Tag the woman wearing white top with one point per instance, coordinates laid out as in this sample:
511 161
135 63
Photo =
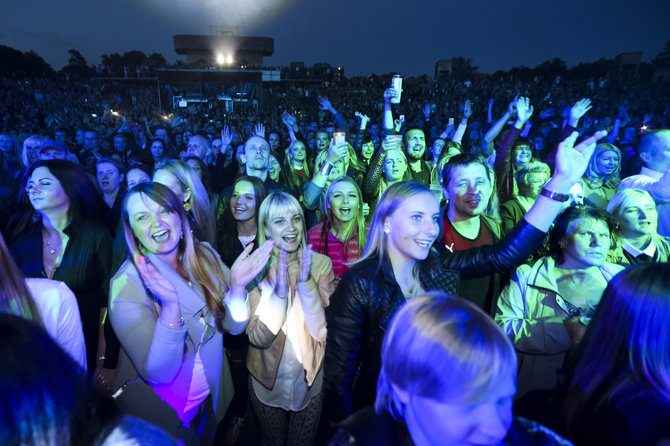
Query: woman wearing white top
48 303
287 328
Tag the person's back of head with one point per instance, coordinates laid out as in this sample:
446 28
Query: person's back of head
626 336
654 150
45 398
443 355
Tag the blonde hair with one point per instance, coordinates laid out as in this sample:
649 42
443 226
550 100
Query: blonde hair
444 348
203 222
197 258
274 205
359 224
390 200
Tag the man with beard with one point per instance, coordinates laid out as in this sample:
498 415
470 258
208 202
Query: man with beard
467 222
414 141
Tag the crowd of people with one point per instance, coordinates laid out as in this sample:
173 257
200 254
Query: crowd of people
479 262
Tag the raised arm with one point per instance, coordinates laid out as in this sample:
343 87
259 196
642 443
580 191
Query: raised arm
525 237
324 104
460 131
496 128
387 119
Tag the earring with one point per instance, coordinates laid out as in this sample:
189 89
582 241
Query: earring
387 231
187 206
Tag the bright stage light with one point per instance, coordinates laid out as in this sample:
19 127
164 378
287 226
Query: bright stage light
219 58
244 14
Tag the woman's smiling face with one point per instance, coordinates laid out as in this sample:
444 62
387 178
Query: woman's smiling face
157 229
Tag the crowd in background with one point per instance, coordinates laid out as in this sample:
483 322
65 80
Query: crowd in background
293 231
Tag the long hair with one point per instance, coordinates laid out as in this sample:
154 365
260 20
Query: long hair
85 200
201 219
288 176
444 348
626 341
197 258
612 180
359 220
15 297
228 244
564 222
390 200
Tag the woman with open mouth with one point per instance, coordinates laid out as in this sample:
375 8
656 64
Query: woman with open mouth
399 262
170 303
342 234
287 327
189 188
601 178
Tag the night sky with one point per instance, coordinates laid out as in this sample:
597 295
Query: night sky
363 36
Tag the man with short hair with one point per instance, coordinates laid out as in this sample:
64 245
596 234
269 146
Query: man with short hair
199 146
256 159
654 177
414 141
467 186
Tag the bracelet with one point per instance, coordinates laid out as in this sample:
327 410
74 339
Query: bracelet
170 325
100 358
556 196
325 169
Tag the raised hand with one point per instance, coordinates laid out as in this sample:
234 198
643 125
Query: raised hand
523 110
571 160
364 119
467 109
511 108
426 111
288 119
324 104
259 130
578 110
305 263
548 113
389 94
160 287
249 264
226 138
391 142
336 152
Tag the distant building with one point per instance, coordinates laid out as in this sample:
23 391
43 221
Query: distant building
223 47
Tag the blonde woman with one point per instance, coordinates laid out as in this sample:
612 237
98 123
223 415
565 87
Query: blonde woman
169 304
185 182
287 328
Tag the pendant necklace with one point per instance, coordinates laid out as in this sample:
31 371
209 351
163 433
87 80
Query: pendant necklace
52 251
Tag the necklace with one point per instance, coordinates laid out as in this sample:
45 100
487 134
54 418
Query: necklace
52 251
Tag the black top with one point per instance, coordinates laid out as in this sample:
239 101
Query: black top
85 269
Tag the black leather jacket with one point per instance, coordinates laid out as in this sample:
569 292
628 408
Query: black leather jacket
368 296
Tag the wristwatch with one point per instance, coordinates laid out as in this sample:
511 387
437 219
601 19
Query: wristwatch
556 196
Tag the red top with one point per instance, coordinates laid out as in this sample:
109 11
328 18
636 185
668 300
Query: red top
454 241
334 248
